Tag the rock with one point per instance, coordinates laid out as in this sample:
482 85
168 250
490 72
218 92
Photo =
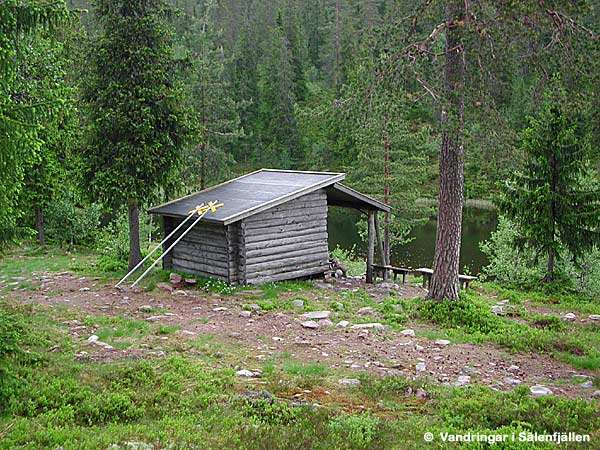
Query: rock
315 315
253 307
92 338
154 318
512 381
175 279
245 314
421 393
513 368
339 273
540 390
408 332
497 309
462 380
342 324
165 287
187 332
420 367
84 289
145 308
569 316
349 381
325 323
468 369
587 384
311 324
219 309
442 342
250 292
246 373
338 306
190 281
388 285
594 317
365 311
363 326
277 339
596 394
298 303
179 292
419 348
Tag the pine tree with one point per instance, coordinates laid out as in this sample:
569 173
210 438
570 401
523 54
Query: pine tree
555 199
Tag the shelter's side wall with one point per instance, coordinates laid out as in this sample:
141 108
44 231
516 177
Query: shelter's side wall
285 242
203 251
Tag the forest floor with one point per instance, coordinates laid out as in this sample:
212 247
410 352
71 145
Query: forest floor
366 356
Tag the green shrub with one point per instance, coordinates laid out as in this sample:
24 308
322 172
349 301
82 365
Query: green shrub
270 411
349 258
68 220
354 431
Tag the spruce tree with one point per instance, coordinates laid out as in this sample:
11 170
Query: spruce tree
555 198
138 124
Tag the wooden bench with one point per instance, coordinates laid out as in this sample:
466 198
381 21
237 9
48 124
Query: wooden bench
463 280
396 271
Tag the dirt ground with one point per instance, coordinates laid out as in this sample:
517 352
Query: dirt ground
266 333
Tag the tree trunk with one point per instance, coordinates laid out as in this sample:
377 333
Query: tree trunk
39 225
203 120
135 256
370 245
386 199
444 282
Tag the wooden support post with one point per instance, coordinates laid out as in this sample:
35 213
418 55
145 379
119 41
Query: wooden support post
384 261
370 246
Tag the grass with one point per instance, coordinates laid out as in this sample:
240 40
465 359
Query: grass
191 397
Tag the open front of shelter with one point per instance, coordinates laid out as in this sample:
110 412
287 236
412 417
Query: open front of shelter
271 225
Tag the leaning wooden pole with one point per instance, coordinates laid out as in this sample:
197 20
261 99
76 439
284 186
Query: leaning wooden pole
200 217
370 246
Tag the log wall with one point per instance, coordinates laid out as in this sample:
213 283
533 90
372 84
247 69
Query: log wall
287 241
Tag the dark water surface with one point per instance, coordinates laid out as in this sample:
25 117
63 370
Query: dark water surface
478 223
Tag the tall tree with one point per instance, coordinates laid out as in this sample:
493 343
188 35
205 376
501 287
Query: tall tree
22 115
216 110
451 162
555 199
138 120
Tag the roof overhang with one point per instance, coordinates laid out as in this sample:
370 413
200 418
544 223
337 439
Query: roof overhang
340 195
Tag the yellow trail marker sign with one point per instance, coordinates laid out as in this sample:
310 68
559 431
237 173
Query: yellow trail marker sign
213 206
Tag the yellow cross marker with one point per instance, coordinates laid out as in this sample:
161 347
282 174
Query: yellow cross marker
213 206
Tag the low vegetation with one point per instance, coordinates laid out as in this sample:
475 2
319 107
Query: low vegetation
187 395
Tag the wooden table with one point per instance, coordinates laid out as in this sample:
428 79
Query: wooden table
395 270
463 280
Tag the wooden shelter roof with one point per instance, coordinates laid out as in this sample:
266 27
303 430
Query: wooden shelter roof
264 189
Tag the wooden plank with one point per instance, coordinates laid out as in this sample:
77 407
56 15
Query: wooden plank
205 240
198 256
251 239
370 246
284 260
283 249
317 262
201 273
289 208
309 236
292 227
199 267
288 275
306 216
202 247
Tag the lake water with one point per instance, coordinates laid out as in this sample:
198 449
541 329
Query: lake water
478 223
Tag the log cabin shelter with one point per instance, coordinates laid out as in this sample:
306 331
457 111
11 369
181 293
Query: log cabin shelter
272 226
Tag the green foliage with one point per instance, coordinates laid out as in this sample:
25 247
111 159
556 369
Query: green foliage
354 431
137 116
69 221
517 266
349 258
555 201
27 103
269 411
